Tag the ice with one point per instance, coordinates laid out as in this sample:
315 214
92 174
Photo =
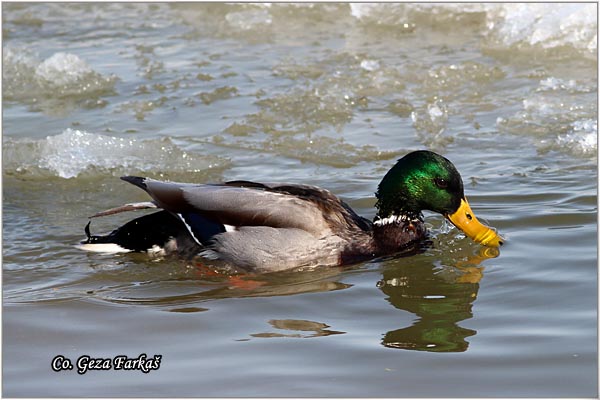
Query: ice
73 153
430 124
62 75
572 86
369 65
63 69
582 139
507 24
249 19
546 25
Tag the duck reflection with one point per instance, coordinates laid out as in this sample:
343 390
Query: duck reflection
440 295
435 287
205 288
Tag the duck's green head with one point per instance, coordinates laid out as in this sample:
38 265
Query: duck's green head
423 180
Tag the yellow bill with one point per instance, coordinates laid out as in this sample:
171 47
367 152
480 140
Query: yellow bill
465 220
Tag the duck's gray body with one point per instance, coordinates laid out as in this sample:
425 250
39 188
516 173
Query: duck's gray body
262 226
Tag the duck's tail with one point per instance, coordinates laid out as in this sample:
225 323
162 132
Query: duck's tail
159 233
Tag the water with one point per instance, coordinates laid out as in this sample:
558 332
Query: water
327 94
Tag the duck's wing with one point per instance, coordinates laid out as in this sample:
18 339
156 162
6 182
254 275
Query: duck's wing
244 203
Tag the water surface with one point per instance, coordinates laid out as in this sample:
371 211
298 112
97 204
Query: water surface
330 95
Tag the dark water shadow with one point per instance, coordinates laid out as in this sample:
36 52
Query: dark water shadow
441 296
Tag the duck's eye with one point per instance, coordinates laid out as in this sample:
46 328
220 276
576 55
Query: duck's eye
441 183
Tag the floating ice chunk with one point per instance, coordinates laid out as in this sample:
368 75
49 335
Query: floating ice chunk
538 105
359 10
14 58
435 112
62 75
63 69
431 123
537 24
588 125
249 19
507 24
572 86
370 65
73 153
580 144
583 139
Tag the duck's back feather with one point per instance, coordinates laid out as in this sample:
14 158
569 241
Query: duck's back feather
243 203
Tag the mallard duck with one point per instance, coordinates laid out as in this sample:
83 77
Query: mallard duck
264 227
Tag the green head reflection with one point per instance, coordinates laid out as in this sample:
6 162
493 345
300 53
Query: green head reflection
440 296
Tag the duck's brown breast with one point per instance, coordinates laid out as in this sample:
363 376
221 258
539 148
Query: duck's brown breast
397 236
